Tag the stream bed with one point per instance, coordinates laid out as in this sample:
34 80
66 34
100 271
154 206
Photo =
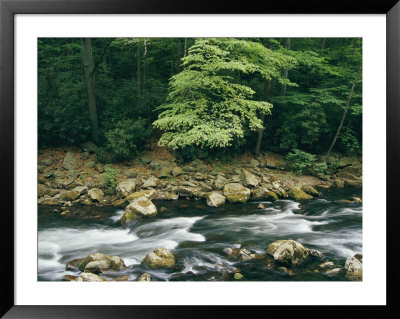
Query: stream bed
197 235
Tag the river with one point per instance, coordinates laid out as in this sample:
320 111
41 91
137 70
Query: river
197 235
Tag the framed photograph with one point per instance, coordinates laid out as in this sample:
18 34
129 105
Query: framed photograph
226 156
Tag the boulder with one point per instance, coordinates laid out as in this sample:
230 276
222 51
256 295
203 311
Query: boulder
245 255
89 147
220 182
87 276
90 164
126 187
248 179
43 190
46 162
254 163
80 190
96 194
236 193
327 264
176 171
297 194
69 195
139 207
353 267
188 191
347 161
333 272
69 161
149 193
130 172
73 265
156 164
260 206
146 158
150 182
238 276
263 194
159 258
215 199
145 277
98 263
288 252
310 190
165 172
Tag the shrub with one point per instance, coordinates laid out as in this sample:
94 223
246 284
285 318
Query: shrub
127 138
109 177
299 161
319 169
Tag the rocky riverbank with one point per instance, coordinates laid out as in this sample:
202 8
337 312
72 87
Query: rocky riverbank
74 177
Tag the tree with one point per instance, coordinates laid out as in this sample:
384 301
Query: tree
206 106
88 73
344 113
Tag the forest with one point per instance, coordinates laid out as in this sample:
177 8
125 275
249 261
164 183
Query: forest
201 97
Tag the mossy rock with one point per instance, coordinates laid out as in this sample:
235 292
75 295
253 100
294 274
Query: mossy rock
159 258
140 207
236 193
288 252
298 194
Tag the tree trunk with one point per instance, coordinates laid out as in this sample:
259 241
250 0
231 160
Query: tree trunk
344 113
138 70
261 130
104 62
285 71
323 43
88 74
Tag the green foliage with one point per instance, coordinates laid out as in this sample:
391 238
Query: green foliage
319 169
127 138
207 106
299 161
348 141
109 177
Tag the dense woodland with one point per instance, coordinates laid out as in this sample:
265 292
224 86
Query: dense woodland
201 97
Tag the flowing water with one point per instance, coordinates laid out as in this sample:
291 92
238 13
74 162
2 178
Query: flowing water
197 235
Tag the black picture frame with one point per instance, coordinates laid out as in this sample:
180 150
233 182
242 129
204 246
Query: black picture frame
8 9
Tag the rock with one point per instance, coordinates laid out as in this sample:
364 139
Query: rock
150 182
159 258
286 271
146 158
89 147
353 267
80 190
69 195
156 164
126 187
275 161
263 194
96 194
238 276
315 253
338 182
220 182
165 172
69 161
87 276
228 251
168 196
87 202
69 278
149 193
123 278
98 262
163 209
260 206
254 163
236 193
189 191
347 161
97 266
46 162
84 155
248 179
99 168
245 255
43 190
139 207
130 172
333 272
350 179
288 252
73 265
327 264
145 277
215 199
298 194
357 200
176 171
89 164
310 190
